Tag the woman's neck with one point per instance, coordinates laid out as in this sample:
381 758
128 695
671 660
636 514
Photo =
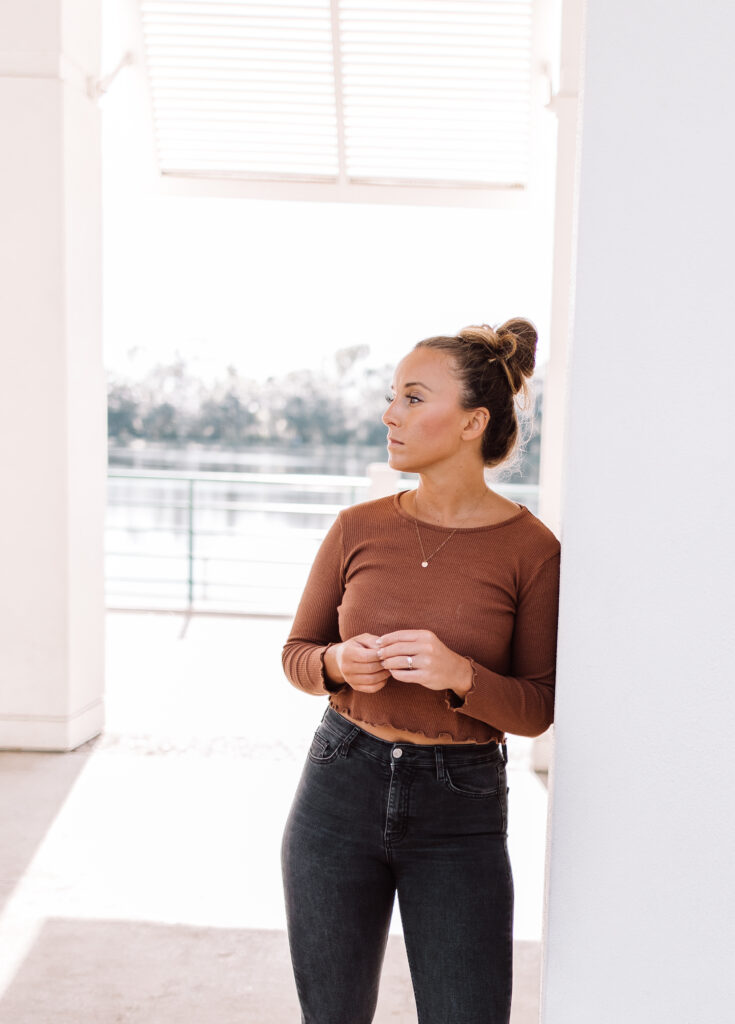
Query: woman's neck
446 505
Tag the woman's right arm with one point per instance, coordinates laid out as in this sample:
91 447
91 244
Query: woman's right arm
315 658
315 628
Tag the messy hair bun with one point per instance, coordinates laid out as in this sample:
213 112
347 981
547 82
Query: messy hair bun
493 365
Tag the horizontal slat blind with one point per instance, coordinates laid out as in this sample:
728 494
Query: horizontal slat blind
242 89
428 91
437 91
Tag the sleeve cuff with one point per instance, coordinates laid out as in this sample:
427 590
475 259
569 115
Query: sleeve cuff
452 699
330 686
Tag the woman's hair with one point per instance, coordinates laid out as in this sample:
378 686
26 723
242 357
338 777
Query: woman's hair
492 365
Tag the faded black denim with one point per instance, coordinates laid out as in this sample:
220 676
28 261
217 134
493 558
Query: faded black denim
371 818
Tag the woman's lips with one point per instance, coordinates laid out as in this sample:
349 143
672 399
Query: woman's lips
393 443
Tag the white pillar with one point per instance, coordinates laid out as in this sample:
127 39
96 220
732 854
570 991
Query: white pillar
641 898
52 384
564 104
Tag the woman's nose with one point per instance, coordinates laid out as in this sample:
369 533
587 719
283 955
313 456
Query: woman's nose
389 416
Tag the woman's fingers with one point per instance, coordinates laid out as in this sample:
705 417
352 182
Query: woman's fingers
368 639
400 663
372 677
388 655
363 656
371 683
364 668
354 658
402 675
360 665
403 635
359 652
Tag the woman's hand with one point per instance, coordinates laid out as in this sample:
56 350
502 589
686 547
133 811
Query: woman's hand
435 666
356 662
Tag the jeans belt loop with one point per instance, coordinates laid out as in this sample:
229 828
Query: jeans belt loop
439 756
347 741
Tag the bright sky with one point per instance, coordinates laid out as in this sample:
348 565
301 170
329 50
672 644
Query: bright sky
271 285
268 285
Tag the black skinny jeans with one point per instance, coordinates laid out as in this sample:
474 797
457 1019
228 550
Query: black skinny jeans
369 818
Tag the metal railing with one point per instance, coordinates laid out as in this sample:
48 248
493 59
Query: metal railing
238 543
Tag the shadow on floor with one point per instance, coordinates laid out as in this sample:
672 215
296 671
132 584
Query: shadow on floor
33 788
131 972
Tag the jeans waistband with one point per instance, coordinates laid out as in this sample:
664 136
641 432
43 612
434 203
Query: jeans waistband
427 754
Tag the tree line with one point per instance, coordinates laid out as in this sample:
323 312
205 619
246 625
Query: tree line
339 405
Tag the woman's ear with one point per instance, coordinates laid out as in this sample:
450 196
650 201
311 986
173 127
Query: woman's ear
477 420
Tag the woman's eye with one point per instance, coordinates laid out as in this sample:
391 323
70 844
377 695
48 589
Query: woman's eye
411 399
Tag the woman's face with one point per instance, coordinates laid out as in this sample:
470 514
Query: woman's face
424 418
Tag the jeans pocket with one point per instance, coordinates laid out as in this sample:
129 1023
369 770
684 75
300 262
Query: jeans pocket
324 746
478 779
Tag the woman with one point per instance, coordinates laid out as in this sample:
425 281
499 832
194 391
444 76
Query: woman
429 617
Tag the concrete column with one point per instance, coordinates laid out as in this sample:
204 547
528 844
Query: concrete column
641 895
564 104
52 383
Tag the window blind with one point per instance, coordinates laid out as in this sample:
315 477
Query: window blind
358 91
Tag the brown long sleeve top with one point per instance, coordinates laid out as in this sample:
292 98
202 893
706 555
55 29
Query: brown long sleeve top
491 594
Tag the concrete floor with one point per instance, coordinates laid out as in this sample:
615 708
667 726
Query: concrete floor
140 874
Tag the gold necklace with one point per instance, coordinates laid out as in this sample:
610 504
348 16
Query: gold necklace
425 561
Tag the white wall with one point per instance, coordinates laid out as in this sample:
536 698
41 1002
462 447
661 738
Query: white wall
641 913
52 389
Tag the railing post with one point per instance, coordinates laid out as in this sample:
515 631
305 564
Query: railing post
190 546
383 480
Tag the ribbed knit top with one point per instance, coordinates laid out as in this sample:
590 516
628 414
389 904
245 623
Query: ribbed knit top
491 595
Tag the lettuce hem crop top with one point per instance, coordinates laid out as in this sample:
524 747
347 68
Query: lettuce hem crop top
491 595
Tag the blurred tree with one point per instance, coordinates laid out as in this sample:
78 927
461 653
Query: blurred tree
163 422
123 420
338 406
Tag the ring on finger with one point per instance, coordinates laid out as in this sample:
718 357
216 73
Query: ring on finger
410 662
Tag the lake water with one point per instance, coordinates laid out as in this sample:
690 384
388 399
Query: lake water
342 460
233 544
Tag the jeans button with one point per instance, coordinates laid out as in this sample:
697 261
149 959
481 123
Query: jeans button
397 752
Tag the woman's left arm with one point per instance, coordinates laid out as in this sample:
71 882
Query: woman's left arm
521 703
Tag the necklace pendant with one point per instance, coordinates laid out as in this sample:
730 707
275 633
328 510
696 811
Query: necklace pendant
424 564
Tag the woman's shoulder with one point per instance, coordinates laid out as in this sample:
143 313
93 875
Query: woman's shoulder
523 530
536 550
543 538
373 511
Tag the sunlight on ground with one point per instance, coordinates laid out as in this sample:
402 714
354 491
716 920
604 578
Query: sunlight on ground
174 815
